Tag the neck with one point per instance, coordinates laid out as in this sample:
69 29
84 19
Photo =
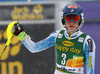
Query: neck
70 33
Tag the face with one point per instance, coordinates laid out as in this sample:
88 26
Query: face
71 26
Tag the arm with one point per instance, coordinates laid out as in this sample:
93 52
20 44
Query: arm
89 49
39 46
29 44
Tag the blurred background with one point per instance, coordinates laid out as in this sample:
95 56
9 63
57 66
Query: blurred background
39 18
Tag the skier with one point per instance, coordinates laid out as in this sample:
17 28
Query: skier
74 48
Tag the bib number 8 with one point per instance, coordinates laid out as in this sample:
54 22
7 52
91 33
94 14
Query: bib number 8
63 61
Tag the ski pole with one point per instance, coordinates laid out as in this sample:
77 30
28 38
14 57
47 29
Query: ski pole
9 36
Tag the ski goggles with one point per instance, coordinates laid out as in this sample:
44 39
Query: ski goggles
72 17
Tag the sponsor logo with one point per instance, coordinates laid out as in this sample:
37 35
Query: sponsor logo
69 70
60 35
67 43
90 44
75 70
66 49
90 61
73 6
79 70
72 10
80 39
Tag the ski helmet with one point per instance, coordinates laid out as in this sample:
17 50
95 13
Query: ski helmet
73 9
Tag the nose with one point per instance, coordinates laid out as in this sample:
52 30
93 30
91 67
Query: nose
72 22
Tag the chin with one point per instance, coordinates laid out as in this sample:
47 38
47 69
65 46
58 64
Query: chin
71 30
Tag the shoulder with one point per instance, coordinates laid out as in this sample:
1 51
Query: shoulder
88 37
84 34
55 33
89 41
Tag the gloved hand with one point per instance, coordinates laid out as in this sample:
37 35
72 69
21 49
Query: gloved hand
18 31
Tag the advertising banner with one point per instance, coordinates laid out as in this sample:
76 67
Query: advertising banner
27 12
18 60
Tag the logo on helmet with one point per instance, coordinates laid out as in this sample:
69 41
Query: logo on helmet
72 10
73 6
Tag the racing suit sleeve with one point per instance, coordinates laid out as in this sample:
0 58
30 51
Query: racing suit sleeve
89 49
41 45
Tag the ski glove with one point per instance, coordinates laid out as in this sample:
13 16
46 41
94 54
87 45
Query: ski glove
18 31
